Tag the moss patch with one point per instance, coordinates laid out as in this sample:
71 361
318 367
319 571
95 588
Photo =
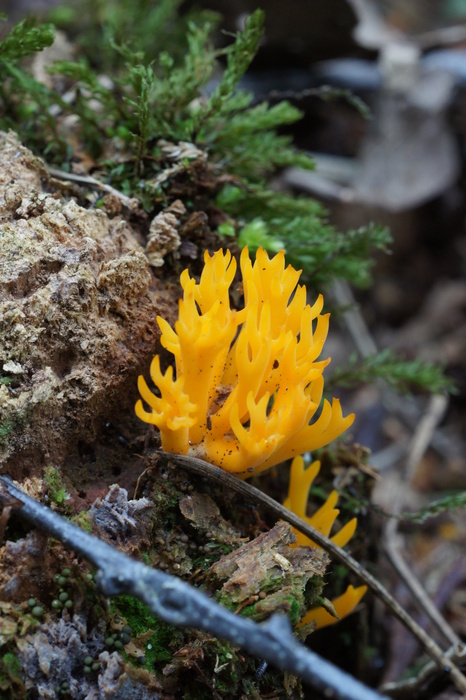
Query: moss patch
56 490
143 623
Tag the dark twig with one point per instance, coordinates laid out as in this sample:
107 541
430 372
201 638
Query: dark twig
228 480
181 605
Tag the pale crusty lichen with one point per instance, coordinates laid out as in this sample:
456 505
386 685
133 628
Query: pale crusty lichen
163 237
75 312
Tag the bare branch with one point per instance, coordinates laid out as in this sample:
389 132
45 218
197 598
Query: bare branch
129 202
181 605
394 542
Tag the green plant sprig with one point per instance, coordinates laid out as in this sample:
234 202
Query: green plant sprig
403 375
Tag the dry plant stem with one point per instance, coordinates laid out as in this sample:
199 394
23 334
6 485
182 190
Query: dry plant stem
180 604
405 690
424 432
393 547
393 544
420 441
92 182
228 480
353 319
442 36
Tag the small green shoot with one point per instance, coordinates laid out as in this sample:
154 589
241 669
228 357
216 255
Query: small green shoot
403 375
55 488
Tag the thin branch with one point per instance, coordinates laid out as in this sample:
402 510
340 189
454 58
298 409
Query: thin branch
393 548
353 319
228 480
441 36
393 542
424 433
129 202
407 689
181 605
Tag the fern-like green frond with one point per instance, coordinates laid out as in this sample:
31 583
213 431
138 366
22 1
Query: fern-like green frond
403 375
24 39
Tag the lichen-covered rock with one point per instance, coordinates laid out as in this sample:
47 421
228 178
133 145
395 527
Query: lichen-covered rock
52 657
54 654
77 315
23 567
119 681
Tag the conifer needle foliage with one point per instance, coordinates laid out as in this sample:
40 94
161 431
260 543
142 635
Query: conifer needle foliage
148 83
24 102
24 39
403 375
446 504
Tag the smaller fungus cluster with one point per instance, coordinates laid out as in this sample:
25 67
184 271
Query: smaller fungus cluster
301 480
248 383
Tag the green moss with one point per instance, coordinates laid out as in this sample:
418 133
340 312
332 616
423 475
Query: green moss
11 683
141 621
11 664
6 426
56 490
162 75
83 520
313 591
295 612
145 558
166 497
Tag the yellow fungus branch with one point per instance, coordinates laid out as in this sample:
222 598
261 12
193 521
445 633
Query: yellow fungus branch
344 605
248 381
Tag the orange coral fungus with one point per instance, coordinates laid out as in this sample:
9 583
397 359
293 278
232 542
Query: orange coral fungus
344 605
248 384
301 480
